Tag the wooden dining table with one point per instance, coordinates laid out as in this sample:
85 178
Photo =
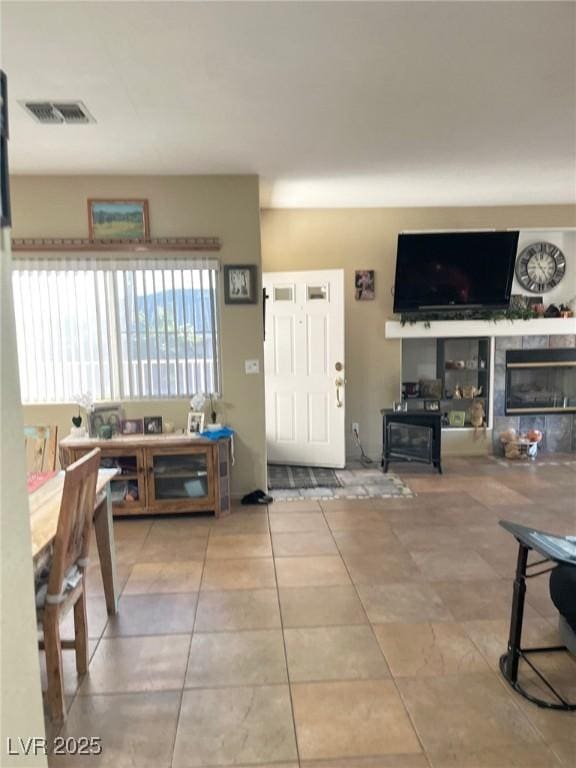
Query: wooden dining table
44 503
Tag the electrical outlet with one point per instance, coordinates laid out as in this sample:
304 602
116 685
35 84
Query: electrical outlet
251 366
355 428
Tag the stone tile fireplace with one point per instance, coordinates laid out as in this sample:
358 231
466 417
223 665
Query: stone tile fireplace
535 388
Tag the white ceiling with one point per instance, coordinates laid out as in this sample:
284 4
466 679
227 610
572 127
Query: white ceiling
331 103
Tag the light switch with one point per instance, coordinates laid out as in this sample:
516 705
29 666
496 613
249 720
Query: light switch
252 366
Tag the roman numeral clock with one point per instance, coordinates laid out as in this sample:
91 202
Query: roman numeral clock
540 267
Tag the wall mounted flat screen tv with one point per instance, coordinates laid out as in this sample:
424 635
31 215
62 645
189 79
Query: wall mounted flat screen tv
454 271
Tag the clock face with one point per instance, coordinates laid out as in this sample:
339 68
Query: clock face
540 267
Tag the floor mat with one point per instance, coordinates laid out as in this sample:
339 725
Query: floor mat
285 476
355 482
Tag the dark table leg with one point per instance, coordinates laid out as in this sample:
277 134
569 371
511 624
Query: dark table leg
512 658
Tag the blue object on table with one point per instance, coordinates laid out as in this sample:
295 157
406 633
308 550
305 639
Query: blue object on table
217 434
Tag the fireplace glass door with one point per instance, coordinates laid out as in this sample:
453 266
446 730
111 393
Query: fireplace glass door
409 441
542 389
541 381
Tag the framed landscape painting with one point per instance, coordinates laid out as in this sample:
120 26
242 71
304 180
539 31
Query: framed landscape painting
118 219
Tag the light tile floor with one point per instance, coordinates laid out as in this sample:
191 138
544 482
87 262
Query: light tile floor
329 633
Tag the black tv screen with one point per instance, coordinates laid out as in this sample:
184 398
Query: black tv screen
454 270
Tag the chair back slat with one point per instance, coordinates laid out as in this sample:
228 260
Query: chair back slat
72 539
41 445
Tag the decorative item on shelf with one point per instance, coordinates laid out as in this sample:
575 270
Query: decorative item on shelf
457 418
105 415
118 219
152 425
482 364
552 311
518 301
477 418
195 423
399 406
240 284
565 311
494 315
207 402
364 285
410 389
213 399
431 388
169 427
470 391
132 427
431 405
457 395
471 365
85 403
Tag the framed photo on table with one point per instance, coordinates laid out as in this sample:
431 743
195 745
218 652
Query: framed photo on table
133 427
240 284
152 425
195 423
107 417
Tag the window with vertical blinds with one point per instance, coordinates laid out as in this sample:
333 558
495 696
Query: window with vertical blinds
118 330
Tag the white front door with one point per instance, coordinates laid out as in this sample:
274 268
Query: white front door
304 367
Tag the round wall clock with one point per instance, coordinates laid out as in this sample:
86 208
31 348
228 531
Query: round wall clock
540 266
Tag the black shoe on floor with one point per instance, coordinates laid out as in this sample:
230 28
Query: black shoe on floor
257 497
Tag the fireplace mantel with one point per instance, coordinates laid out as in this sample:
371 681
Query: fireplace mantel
541 326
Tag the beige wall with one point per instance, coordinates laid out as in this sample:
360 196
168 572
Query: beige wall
222 206
366 239
20 695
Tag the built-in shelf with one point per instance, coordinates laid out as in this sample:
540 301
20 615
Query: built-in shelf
540 326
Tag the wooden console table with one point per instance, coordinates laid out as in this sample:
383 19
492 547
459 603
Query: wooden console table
161 473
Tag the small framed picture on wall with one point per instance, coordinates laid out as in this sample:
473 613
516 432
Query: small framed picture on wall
240 284
364 285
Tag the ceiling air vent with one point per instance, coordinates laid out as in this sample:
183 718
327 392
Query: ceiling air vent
72 112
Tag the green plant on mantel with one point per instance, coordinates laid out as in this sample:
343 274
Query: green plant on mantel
494 315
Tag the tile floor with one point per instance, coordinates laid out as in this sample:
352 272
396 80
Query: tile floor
329 633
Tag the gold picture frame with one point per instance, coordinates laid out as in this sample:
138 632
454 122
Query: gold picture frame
118 219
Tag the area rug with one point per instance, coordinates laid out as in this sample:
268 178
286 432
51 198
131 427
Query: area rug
286 476
354 482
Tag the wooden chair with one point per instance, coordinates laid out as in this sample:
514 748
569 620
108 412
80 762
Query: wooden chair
65 584
41 445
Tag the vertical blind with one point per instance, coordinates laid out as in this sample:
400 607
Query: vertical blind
116 329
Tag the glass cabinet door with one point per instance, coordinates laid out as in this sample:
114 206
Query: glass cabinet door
182 477
127 488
